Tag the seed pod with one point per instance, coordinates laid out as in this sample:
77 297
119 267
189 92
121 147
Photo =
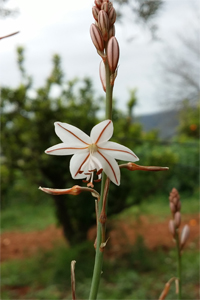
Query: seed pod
113 53
102 74
95 12
185 235
96 37
103 22
112 16
177 219
172 227
111 31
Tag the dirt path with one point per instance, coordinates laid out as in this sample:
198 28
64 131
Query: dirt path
19 245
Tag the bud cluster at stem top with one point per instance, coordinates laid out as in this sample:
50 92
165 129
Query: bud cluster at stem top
103 33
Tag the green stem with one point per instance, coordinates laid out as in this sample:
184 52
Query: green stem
99 252
178 264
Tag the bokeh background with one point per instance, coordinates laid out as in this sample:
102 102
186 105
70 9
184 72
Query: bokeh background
49 72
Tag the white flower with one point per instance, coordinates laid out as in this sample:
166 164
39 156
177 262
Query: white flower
92 152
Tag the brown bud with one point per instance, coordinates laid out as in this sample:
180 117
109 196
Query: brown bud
112 16
75 190
111 31
133 167
102 74
185 235
98 3
177 219
172 227
95 12
103 22
113 53
165 291
96 37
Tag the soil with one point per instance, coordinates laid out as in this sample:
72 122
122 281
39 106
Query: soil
19 245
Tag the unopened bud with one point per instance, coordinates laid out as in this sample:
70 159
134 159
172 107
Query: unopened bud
172 229
96 37
95 12
104 6
133 167
103 22
98 3
177 219
102 74
112 16
185 235
111 31
172 207
113 53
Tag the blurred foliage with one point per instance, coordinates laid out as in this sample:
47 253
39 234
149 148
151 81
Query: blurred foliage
5 12
142 11
189 120
27 121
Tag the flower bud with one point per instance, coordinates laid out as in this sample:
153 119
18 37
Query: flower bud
112 16
96 37
185 235
95 12
98 3
103 22
111 31
113 53
172 207
177 219
104 6
172 227
102 74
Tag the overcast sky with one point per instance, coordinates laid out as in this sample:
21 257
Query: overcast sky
62 26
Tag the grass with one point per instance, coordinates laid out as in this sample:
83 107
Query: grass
140 274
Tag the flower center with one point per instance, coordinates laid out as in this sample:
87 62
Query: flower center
92 148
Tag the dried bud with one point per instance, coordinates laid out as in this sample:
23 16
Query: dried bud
95 12
174 194
172 229
75 190
165 291
96 37
98 3
110 5
172 207
185 235
111 31
112 16
133 167
177 219
113 53
102 74
103 22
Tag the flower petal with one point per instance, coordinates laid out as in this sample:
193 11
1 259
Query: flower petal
71 134
64 149
118 151
102 132
76 163
110 166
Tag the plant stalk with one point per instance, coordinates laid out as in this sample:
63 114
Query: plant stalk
99 251
179 275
